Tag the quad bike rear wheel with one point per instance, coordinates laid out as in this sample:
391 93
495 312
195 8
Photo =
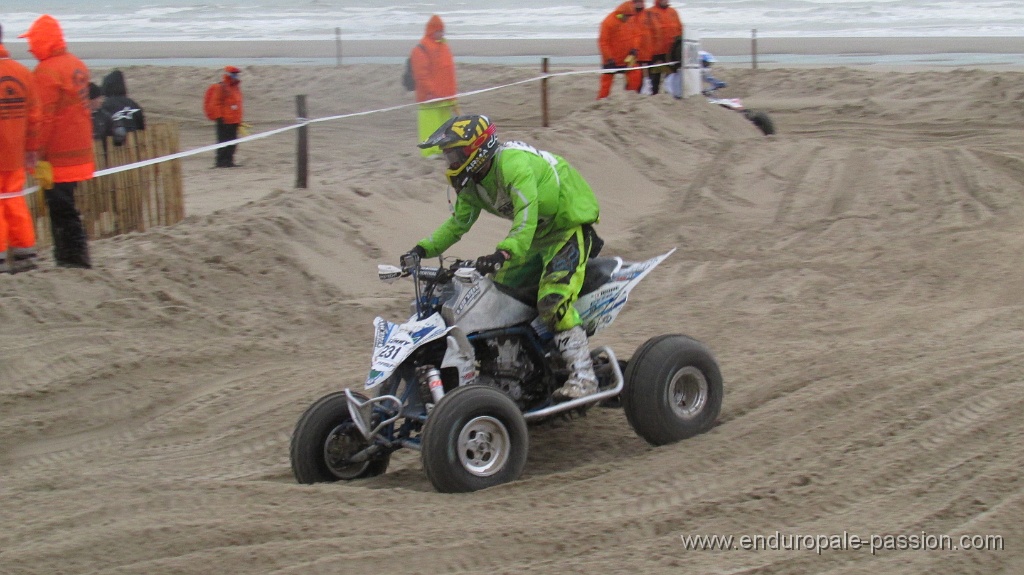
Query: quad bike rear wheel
673 389
323 440
762 120
474 438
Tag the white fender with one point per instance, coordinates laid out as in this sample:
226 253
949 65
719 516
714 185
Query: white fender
394 343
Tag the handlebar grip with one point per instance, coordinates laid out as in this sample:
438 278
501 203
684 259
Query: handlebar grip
410 260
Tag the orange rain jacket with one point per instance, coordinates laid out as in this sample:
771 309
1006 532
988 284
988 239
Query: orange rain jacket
648 35
227 101
62 80
619 35
669 26
432 65
19 113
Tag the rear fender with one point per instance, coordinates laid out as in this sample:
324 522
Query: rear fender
731 103
599 309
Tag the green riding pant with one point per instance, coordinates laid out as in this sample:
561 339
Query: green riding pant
557 264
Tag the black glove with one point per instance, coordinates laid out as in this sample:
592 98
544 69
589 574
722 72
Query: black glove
492 263
412 256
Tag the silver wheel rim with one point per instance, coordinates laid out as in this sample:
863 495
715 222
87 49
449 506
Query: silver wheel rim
688 392
342 443
484 444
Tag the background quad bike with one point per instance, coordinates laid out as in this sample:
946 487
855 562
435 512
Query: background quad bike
760 118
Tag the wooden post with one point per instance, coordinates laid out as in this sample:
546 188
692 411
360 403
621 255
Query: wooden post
544 93
302 159
173 144
337 44
753 48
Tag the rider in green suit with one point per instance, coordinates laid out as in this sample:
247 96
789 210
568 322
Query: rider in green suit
552 210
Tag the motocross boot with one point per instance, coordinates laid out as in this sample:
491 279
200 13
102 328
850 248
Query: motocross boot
582 381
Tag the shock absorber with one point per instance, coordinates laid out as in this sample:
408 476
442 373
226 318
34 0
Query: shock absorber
430 380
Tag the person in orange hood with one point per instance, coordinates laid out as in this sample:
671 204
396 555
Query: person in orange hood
433 68
65 136
224 104
19 124
669 26
648 34
619 42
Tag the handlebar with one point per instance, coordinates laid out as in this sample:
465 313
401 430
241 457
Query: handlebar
411 265
425 278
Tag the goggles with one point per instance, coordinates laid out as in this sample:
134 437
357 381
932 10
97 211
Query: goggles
456 157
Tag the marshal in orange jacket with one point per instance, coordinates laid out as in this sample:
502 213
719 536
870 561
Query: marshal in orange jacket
619 35
225 103
648 34
19 113
669 26
62 80
432 65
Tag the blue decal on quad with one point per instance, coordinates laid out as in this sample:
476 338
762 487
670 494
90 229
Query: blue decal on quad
420 334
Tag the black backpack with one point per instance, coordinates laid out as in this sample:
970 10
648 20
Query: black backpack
676 53
408 81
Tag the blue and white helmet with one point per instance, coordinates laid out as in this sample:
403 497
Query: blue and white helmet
706 59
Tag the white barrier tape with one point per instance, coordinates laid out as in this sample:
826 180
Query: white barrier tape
491 89
24 192
161 159
300 122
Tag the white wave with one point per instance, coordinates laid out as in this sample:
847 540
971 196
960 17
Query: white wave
96 20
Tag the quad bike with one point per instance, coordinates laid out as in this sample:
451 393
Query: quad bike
758 117
462 377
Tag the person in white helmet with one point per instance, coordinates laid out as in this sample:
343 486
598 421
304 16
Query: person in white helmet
707 61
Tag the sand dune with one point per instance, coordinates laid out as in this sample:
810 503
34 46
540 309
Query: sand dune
857 275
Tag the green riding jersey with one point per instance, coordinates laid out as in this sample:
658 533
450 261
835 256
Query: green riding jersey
539 191
548 202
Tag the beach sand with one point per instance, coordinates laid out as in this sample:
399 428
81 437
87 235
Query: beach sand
857 276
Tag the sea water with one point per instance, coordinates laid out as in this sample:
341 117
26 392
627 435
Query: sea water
190 20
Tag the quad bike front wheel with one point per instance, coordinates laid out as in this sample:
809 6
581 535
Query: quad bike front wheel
673 389
323 440
474 438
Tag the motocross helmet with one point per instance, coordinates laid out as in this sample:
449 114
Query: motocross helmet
706 59
467 142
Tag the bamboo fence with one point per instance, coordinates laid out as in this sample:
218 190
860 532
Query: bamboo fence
129 201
